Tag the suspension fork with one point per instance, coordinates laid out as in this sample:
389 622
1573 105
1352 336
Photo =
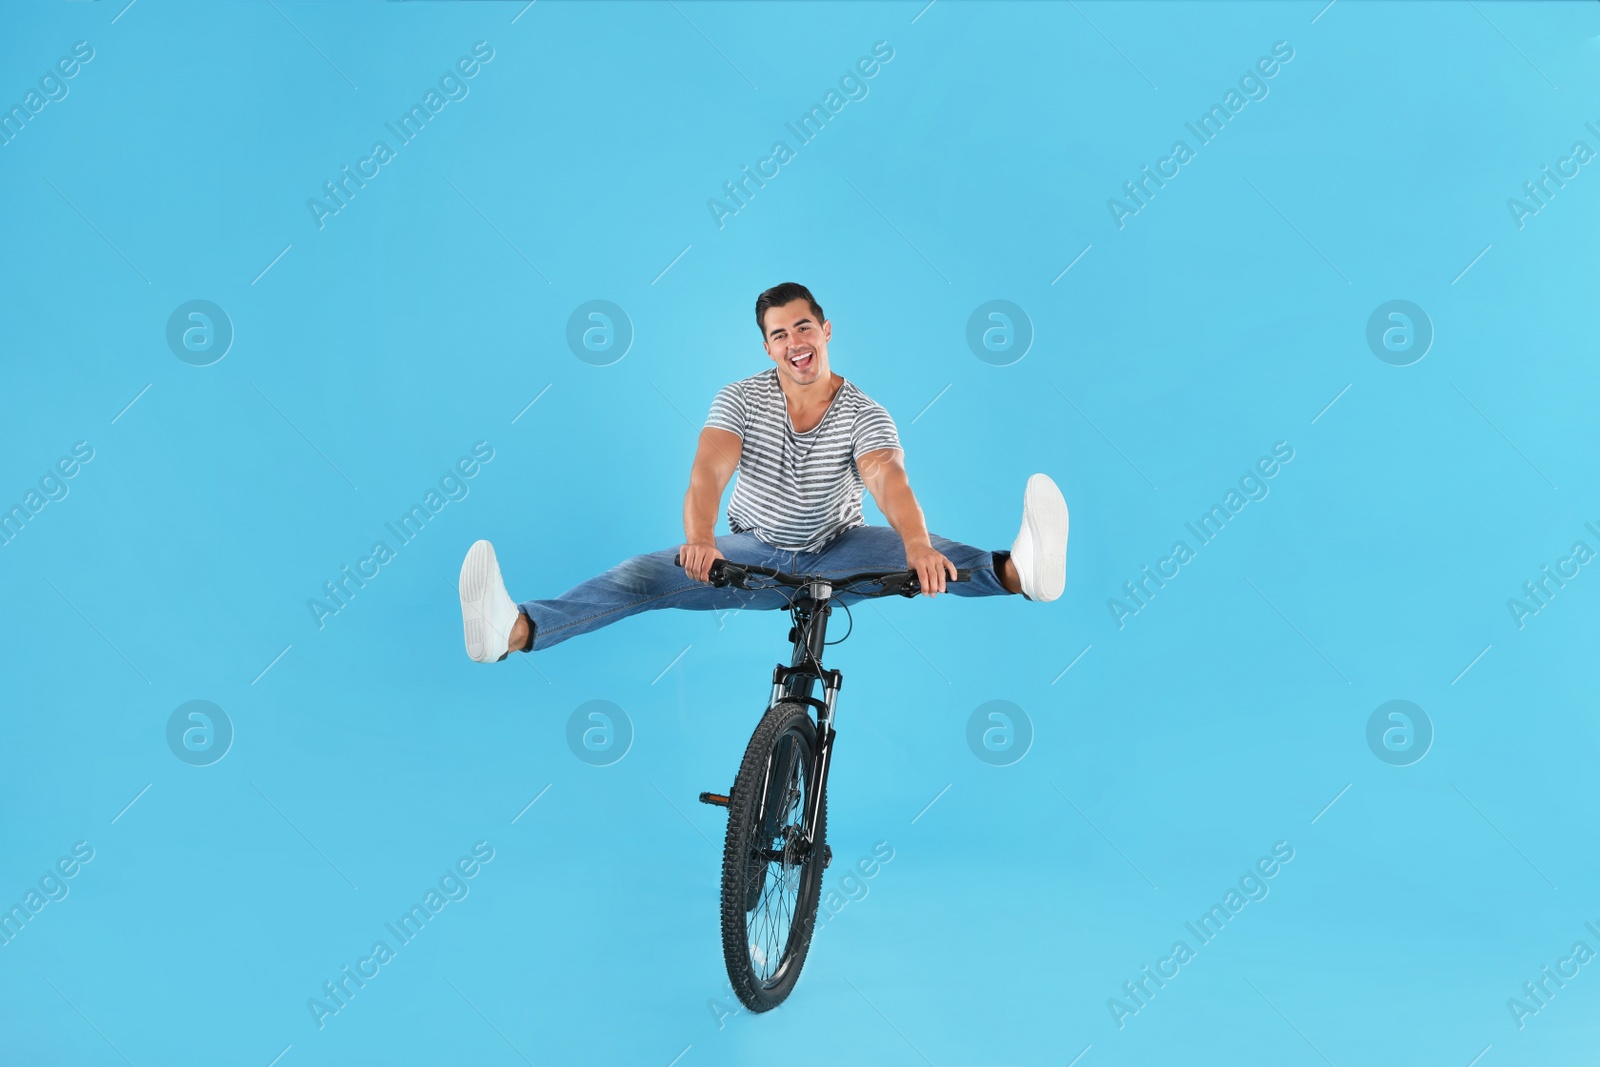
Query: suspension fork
799 682
832 682
815 637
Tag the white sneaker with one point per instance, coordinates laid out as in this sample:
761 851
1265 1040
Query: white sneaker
1040 550
487 610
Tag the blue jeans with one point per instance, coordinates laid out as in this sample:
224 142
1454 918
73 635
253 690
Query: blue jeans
651 580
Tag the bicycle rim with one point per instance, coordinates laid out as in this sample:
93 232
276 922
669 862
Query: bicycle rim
771 875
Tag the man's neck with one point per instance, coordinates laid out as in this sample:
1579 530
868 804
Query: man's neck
819 393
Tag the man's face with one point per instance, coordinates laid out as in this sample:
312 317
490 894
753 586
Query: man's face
797 342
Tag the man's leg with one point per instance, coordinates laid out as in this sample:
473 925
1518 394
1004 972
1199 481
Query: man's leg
879 548
649 581
1034 566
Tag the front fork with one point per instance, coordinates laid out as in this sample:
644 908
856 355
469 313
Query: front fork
819 774
796 682
787 685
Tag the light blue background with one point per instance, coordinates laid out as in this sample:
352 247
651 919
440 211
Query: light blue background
1225 717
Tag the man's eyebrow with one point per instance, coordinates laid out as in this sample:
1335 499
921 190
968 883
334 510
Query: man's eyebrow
780 329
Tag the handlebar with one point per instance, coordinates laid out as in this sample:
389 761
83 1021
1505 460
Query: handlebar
725 571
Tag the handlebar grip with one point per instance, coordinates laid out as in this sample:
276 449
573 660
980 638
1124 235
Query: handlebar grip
714 573
913 587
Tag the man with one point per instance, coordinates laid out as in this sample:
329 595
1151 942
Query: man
805 442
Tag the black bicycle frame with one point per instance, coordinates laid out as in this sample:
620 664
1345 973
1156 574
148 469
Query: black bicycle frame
797 682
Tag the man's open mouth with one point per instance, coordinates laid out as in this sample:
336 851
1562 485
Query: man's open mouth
803 361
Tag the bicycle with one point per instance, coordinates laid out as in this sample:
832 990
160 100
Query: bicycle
776 847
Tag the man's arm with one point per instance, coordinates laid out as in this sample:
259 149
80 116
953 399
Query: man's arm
714 463
884 472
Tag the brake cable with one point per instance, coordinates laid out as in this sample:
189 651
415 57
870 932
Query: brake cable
794 616
851 619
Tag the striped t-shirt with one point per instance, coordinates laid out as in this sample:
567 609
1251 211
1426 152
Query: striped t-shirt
797 491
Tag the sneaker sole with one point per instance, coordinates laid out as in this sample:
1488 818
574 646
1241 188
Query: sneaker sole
479 574
1046 512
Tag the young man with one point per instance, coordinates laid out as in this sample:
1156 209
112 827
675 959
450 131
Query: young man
805 442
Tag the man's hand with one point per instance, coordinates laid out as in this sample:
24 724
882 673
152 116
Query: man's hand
697 556
930 566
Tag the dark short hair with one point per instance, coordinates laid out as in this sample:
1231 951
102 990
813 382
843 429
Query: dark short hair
779 295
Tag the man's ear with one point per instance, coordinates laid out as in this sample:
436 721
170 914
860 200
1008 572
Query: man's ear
827 330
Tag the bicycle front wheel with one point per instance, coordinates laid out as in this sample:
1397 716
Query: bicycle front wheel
771 875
